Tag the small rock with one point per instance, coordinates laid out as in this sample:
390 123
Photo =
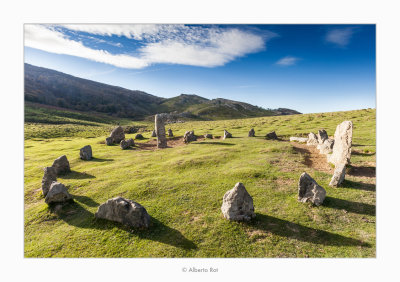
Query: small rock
271 136
322 136
189 136
131 143
208 136
312 139
338 176
252 133
125 144
154 134
237 204
86 153
170 134
58 193
299 139
109 141
49 177
326 147
227 134
310 191
117 134
130 129
61 165
124 211
139 136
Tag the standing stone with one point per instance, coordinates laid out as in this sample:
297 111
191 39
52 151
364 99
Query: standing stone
109 141
341 152
338 176
237 204
139 136
61 165
154 134
189 137
298 139
322 136
86 153
160 120
326 147
310 191
208 136
272 135
252 133
125 144
124 211
227 134
49 177
312 139
170 134
58 193
117 134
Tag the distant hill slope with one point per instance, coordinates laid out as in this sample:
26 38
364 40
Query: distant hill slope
53 88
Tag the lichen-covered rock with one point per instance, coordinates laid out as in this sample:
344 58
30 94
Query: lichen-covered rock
237 204
117 135
49 177
341 152
170 134
208 136
271 136
326 147
139 136
85 153
189 137
298 139
312 139
252 133
109 141
227 134
322 136
58 193
338 176
124 211
61 165
310 191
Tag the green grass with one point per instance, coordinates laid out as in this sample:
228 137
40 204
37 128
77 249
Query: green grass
182 190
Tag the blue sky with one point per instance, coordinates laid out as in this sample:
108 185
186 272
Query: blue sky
309 68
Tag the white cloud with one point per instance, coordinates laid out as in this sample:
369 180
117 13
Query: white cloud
169 44
340 37
287 61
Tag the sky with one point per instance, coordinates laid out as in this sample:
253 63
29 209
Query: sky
308 68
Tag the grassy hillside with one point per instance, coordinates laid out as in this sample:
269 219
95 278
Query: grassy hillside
182 189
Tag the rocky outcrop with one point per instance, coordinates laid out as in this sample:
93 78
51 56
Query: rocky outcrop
310 191
237 204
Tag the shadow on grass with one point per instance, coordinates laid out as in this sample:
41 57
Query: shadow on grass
85 200
289 229
99 160
362 153
354 207
367 171
213 143
76 175
76 215
358 185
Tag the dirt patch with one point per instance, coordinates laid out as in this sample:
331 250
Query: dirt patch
312 157
151 145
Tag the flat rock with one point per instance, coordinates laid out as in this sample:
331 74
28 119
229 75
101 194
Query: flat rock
310 191
237 204
117 134
227 134
338 176
252 133
49 177
85 153
298 139
189 137
322 136
124 211
271 136
58 193
312 139
61 165
341 152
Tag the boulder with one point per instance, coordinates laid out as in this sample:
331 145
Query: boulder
160 120
237 204
322 136
109 141
131 143
130 129
341 152
154 134
312 139
252 133
310 191
298 139
271 136
58 193
139 136
208 136
86 153
61 165
170 134
338 176
326 147
189 136
227 134
125 144
124 211
117 134
49 177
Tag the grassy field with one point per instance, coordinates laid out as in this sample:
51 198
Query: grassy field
182 189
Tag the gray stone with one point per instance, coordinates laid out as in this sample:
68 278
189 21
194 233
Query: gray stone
341 152
58 193
338 176
125 144
109 141
237 204
312 139
298 139
170 134
86 153
154 134
326 147
124 211
189 137
322 136
208 136
139 136
272 136
252 133
131 143
310 191
49 177
117 134
130 129
61 165
160 120
227 134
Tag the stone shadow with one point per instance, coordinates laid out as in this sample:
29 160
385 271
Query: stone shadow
213 143
99 160
366 171
350 206
76 175
358 185
85 200
299 232
362 153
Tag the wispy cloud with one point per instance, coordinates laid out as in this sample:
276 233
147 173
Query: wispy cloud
340 37
167 44
288 61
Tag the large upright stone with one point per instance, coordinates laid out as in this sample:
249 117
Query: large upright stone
85 153
58 193
271 136
49 177
124 211
189 137
227 134
160 120
322 136
61 165
117 134
310 191
252 133
237 204
170 134
341 152
338 176
312 139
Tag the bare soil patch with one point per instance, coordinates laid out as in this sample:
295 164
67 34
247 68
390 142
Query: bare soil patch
312 157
